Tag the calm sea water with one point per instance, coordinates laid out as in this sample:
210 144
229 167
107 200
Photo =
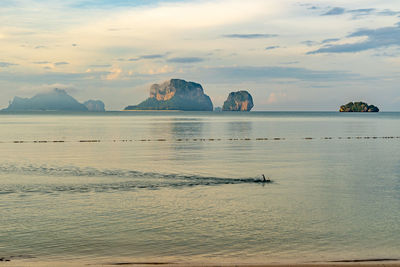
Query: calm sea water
182 186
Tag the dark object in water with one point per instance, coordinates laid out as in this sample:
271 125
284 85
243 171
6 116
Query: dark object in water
265 180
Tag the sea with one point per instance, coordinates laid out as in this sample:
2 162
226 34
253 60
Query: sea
184 187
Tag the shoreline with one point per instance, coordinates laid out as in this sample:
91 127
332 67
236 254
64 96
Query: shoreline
104 262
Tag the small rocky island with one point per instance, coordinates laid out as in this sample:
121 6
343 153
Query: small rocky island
358 107
55 100
176 94
238 101
95 106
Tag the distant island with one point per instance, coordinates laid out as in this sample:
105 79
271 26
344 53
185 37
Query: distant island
358 107
176 94
238 101
95 105
55 100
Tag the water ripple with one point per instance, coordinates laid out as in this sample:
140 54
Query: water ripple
131 180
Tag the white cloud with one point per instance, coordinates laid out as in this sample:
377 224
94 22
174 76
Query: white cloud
114 74
188 15
27 91
158 70
274 98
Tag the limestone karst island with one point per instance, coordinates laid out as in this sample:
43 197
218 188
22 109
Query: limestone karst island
177 94
174 94
238 101
55 100
358 107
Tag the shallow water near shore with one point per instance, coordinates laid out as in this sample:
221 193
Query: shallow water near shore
184 186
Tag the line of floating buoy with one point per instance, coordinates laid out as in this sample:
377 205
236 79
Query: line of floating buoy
201 139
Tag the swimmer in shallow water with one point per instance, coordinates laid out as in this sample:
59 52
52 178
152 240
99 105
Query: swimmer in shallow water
264 180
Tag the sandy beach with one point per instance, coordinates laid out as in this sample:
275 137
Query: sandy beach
358 263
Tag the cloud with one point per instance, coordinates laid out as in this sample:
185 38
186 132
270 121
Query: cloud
335 11
161 70
309 43
274 98
113 74
376 38
388 12
314 43
8 3
50 77
161 18
365 11
386 54
61 63
272 47
185 60
117 3
100 66
344 48
290 62
360 12
41 62
40 46
7 64
248 73
151 56
250 36
331 40
34 89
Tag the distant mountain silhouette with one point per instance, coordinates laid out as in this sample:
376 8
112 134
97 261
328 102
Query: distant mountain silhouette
55 100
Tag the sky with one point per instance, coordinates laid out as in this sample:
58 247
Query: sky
290 55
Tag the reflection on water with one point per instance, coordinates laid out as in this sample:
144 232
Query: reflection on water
189 191
189 129
240 128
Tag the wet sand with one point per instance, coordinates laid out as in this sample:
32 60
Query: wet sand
345 263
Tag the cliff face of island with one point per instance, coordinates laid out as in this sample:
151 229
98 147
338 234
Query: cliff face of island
95 105
358 107
176 94
55 100
238 101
